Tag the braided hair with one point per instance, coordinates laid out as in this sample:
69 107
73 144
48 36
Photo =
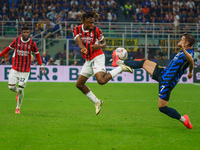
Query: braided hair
89 14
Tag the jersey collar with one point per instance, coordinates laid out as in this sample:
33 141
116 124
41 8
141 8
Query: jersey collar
84 30
25 41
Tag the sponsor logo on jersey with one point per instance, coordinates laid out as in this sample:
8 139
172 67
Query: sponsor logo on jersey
23 53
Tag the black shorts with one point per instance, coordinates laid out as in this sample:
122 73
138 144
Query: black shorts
164 86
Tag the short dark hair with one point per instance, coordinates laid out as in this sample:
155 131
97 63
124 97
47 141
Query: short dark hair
189 38
25 28
89 14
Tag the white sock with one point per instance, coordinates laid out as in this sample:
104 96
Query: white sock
116 71
182 119
92 97
21 96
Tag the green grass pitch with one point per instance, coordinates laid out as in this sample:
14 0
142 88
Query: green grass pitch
57 116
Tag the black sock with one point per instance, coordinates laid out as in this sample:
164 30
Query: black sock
171 112
134 64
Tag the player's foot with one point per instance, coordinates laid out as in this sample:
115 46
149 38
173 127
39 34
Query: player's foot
187 122
126 68
17 111
116 61
17 97
98 106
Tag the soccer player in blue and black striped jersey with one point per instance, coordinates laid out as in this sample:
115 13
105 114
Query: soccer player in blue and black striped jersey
168 77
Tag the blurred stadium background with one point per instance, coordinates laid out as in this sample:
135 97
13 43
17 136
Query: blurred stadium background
149 29
58 116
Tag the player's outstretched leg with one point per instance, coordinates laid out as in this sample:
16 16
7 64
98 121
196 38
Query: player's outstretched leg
173 113
118 62
98 106
19 99
135 64
187 122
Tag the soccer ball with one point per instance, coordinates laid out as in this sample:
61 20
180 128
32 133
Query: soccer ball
121 53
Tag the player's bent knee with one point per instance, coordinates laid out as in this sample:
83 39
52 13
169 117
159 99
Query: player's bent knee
12 88
101 82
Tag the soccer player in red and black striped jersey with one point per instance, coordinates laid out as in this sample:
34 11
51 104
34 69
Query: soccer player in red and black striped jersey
91 41
21 61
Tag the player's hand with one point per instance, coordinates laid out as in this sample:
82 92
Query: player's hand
190 75
183 45
84 50
95 46
43 70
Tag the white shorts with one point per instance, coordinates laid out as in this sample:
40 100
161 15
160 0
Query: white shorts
14 76
93 66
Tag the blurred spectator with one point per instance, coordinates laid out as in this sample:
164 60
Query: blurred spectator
43 17
146 2
198 61
47 56
163 54
33 61
63 15
79 13
72 15
175 8
104 4
71 62
191 4
47 29
51 7
176 2
74 2
140 54
110 3
149 55
58 8
3 62
28 12
139 16
51 15
196 54
157 55
168 7
44 58
59 55
145 11
128 9
57 26
104 18
40 25
176 21
112 17
76 57
95 2
51 61
138 8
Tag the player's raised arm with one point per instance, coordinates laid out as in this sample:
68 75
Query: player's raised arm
102 45
187 41
80 45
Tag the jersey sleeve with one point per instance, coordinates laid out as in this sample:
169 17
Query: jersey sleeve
100 36
191 52
13 44
36 52
75 33
34 48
